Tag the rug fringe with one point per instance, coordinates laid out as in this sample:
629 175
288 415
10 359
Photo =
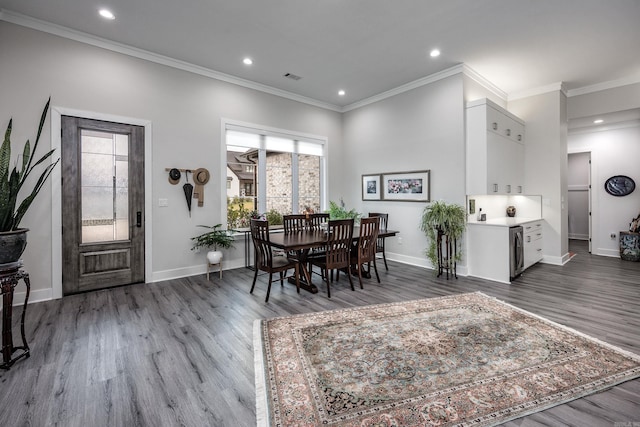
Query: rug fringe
262 408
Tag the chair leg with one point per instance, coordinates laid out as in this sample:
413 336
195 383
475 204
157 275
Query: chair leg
282 278
384 257
297 273
269 287
326 279
349 276
375 267
253 285
360 275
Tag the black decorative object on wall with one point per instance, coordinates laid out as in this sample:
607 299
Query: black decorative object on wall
619 185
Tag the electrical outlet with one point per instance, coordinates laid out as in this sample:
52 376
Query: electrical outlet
163 202
613 236
399 240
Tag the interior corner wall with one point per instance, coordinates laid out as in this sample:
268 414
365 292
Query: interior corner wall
614 151
545 116
185 111
416 130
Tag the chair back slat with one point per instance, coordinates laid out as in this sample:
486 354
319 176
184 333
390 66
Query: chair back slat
366 248
340 235
317 220
260 236
294 223
384 219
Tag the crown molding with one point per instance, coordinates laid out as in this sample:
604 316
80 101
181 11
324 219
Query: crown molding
553 87
482 81
64 32
456 69
604 86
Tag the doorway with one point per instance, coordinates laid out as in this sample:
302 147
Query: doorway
103 230
579 197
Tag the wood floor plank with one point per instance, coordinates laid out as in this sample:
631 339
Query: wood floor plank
180 352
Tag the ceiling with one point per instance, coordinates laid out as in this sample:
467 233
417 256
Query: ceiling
368 47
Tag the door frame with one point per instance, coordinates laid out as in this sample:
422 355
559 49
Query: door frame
56 190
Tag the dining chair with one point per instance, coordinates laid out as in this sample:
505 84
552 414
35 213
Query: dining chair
294 223
337 255
364 251
265 259
384 219
317 220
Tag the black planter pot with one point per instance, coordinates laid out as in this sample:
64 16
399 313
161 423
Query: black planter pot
12 244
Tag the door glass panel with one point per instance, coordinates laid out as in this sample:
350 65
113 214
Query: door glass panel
104 186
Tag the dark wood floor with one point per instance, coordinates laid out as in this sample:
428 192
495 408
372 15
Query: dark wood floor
180 352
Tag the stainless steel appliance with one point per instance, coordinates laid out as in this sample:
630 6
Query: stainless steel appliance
516 252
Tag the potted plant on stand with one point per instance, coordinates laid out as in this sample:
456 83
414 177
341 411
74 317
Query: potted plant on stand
443 224
13 239
214 238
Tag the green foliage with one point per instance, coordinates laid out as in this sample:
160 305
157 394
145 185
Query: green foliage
238 213
448 219
274 217
12 181
338 211
212 239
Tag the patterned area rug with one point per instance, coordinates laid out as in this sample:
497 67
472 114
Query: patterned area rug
461 360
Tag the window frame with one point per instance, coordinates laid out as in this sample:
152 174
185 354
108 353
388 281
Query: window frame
322 141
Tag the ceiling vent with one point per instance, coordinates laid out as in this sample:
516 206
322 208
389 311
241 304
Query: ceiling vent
292 76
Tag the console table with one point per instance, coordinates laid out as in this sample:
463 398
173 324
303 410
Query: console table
10 275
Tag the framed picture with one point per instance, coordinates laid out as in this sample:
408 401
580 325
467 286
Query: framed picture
371 187
406 186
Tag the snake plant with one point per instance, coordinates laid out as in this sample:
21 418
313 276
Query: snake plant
13 180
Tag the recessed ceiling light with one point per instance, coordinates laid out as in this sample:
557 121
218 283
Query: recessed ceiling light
247 61
107 14
598 121
341 92
434 53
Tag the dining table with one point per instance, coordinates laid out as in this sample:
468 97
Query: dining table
303 242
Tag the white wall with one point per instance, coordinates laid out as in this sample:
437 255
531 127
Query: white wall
614 151
416 130
546 165
185 111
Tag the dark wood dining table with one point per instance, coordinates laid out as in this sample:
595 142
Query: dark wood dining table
303 242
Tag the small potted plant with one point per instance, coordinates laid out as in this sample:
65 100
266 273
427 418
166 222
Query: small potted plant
13 238
214 238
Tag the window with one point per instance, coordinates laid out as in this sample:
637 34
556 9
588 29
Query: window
273 172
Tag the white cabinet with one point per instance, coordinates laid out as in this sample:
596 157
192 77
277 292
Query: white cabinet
532 243
488 249
495 150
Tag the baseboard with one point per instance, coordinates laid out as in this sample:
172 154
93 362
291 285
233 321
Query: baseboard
38 295
556 260
423 262
159 276
578 236
614 253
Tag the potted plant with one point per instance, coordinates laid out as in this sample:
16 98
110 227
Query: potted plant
13 239
444 219
214 238
338 211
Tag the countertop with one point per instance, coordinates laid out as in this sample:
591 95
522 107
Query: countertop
504 221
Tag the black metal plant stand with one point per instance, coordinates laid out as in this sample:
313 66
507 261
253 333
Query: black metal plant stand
447 254
10 275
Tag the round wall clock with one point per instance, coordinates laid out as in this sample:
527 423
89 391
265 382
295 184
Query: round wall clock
619 185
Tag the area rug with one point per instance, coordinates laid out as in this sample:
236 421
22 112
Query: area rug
467 360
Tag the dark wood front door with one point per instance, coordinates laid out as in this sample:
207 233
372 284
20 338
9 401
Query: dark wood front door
102 204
